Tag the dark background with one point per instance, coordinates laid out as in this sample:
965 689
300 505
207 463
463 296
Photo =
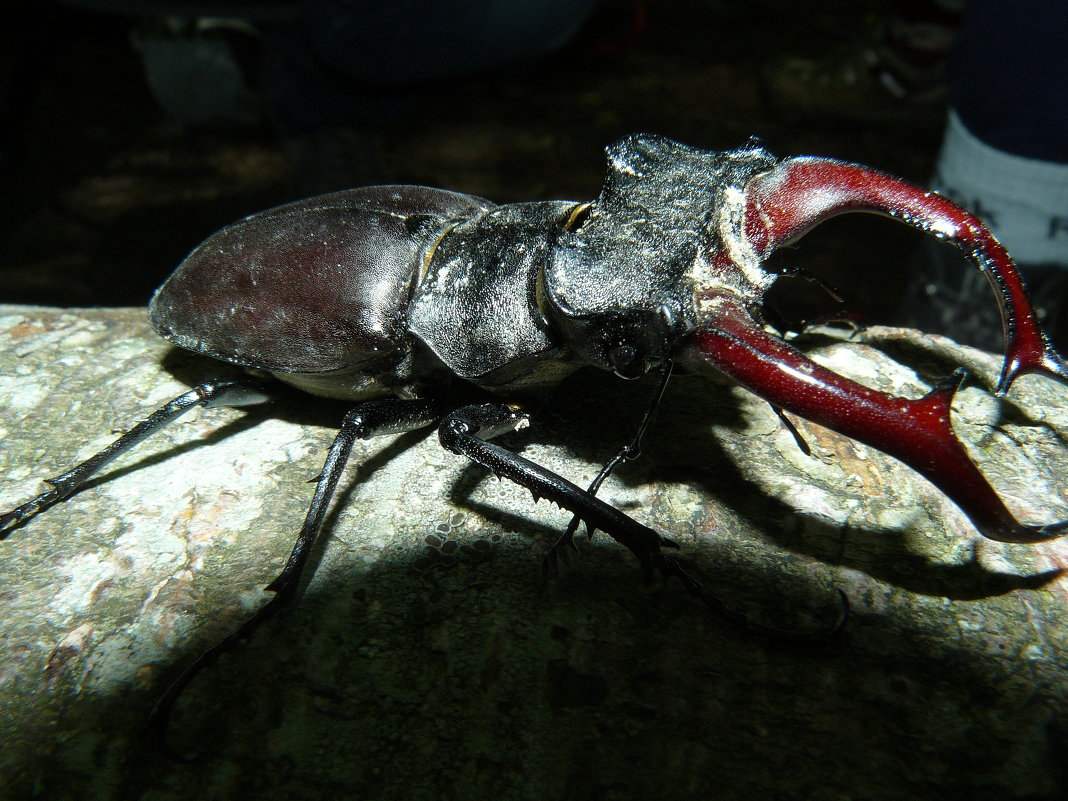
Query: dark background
104 192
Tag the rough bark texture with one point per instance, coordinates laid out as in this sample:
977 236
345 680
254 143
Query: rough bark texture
426 661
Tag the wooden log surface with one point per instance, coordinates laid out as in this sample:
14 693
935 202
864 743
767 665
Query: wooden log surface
425 659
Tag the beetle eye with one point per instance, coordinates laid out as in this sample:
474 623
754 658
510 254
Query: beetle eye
626 362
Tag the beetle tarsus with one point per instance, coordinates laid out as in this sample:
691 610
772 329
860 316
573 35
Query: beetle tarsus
788 424
562 549
630 451
1053 530
158 724
11 520
370 419
237 392
917 431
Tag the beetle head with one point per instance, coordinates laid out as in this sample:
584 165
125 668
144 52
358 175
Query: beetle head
628 268
668 262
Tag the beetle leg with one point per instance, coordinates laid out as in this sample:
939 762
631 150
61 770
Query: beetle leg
239 392
796 271
465 432
560 552
788 424
371 419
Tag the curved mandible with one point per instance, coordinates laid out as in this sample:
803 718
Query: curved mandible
918 431
799 193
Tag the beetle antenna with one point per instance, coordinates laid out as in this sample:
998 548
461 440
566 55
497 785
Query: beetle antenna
788 424
632 450
791 270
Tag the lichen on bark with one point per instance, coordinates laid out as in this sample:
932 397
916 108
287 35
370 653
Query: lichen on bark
425 659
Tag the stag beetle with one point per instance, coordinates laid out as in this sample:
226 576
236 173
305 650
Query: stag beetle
383 295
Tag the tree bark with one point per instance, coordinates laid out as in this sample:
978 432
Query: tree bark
424 657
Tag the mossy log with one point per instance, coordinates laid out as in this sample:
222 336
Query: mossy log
426 659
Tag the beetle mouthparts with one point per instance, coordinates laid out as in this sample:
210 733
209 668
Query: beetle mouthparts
917 432
788 201
784 203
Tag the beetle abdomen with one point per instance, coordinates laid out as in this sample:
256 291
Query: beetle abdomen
314 286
